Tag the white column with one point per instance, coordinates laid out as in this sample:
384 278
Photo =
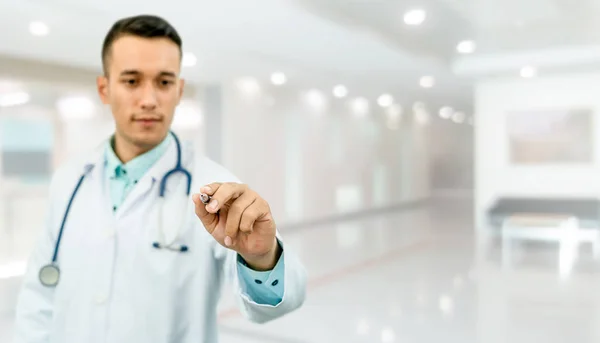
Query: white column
212 109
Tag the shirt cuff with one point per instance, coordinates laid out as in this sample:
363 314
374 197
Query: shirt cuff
265 287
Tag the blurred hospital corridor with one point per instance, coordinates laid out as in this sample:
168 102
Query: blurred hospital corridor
418 275
431 168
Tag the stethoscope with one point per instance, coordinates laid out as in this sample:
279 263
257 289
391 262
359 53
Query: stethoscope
49 274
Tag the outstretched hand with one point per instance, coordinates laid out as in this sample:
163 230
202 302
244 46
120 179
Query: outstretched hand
239 219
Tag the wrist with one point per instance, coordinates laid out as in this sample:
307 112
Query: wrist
266 261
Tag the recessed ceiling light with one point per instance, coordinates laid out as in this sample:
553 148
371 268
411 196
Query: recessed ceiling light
38 28
466 47
427 81
278 78
340 91
189 59
415 17
385 100
528 72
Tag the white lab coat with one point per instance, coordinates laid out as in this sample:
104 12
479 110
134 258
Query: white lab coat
115 287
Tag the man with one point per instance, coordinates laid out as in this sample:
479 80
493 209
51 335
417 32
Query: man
129 265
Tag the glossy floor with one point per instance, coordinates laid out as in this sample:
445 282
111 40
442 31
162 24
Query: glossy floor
422 275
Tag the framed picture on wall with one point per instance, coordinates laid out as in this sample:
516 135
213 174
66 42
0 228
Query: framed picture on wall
554 136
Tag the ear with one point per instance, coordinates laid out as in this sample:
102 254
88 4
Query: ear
102 85
181 86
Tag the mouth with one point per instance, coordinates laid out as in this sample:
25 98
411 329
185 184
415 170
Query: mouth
147 119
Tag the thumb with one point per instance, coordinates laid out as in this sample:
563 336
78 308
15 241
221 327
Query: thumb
209 220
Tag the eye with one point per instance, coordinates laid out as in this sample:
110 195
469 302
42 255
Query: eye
166 82
130 82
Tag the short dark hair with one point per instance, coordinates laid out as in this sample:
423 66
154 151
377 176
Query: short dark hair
146 26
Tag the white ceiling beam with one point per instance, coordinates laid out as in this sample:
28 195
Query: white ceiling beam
510 62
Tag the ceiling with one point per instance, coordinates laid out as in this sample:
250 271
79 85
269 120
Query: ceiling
361 43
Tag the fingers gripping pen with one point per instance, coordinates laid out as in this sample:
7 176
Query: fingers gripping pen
205 198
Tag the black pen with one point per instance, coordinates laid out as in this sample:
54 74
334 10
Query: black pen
205 198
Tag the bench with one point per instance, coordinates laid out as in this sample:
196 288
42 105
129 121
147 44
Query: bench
568 222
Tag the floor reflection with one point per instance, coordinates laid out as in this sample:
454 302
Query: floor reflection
418 275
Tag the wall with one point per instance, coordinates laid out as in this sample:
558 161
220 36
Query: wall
494 176
452 157
309 163
321 160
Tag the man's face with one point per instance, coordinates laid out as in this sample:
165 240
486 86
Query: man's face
143 88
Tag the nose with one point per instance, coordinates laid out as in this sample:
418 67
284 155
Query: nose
148 98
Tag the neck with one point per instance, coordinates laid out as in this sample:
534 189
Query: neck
127 151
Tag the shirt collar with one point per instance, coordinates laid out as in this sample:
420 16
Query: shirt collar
137 167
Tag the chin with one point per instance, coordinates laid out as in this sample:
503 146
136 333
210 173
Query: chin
149 138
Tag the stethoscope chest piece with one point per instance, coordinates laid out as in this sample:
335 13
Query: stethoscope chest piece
49 275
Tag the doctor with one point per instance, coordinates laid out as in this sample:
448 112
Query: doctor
128 253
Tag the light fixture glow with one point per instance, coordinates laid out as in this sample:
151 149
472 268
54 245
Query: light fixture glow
14 99
340 91
458 117
75 108
360 106
38 28
414 17
189 59
427 81
385 100
528 72
422 117
446 112
446 305
466 47
278 78
13 269
394 111
387 335
248 85
316 99
187 116
394 116
392 124
418 106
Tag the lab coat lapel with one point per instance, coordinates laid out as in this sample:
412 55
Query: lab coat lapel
97 180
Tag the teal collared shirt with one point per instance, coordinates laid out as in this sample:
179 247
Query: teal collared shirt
124 176
262 287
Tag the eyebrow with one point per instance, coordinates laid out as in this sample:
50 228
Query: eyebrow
134 72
